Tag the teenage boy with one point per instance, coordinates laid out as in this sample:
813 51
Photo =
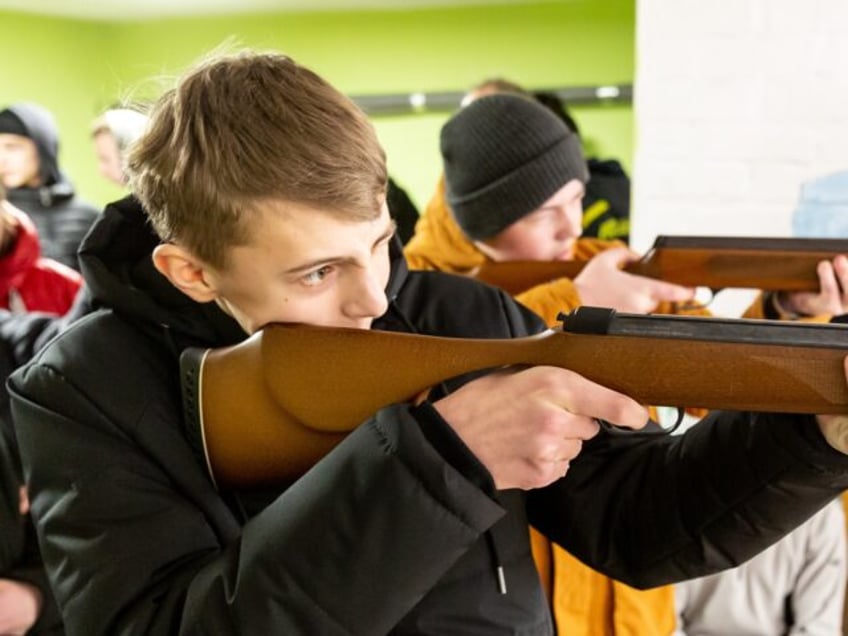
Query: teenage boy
513 188
262 192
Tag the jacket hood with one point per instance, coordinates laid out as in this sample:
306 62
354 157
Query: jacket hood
41 128
605 168
115 259
399 268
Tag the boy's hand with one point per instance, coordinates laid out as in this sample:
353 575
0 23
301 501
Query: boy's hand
602 283
832 297
526 425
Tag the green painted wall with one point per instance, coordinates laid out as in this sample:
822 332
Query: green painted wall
83 66
59 64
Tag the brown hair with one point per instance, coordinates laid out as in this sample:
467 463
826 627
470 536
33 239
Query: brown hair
245 128
499 85
493 86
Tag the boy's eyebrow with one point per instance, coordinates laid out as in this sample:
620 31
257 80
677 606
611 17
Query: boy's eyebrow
389 231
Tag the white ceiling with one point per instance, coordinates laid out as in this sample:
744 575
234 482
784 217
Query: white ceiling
147 9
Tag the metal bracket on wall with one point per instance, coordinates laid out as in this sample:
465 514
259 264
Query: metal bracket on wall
409 103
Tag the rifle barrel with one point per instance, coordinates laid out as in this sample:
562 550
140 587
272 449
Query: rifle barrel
769 264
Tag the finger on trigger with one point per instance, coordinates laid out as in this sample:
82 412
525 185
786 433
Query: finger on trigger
584 397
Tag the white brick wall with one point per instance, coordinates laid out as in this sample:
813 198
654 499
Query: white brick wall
737 102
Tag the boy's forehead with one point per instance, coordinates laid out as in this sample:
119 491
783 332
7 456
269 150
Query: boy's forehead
298 232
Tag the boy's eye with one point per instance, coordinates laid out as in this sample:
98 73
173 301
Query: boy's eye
316 277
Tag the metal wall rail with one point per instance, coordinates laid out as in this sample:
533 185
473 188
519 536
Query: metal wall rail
407 103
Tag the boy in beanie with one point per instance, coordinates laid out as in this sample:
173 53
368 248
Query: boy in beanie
29 169
514 178
261 199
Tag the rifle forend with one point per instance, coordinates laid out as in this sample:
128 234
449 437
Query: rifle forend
769 264
269 408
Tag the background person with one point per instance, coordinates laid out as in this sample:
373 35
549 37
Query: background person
28 281
29 170
112 133
796 586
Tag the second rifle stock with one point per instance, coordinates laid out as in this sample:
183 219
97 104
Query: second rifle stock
266 410
769 264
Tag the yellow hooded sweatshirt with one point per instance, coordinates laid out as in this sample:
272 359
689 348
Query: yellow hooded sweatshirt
583 601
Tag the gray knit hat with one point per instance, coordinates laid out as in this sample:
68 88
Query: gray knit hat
504 156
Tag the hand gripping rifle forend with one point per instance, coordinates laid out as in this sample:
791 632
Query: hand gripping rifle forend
266 410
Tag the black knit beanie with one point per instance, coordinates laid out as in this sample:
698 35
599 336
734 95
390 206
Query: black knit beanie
504 156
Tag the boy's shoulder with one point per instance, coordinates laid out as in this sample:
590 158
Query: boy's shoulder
102 364
100 350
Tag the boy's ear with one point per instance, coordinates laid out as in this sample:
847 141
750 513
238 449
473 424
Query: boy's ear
185 272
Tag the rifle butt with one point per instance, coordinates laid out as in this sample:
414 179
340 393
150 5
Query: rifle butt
240 431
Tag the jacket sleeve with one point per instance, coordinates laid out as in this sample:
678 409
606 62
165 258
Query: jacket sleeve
649 509
136 541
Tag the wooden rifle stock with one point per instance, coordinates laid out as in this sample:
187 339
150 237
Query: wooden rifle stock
770 264
269 408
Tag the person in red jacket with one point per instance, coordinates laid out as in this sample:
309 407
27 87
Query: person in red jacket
29 281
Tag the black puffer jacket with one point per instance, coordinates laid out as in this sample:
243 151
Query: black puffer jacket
60 216
397 530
